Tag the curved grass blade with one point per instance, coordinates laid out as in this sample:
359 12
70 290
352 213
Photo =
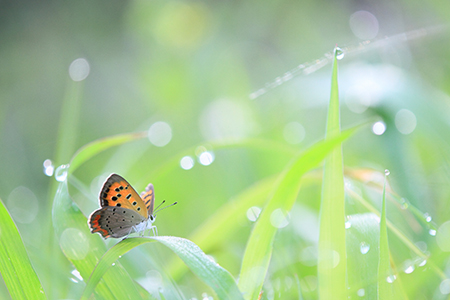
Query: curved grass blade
221 225
97 146
219 279
84 249
15 266
331 267
259 246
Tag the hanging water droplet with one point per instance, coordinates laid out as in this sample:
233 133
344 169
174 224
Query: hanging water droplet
409 269
61 173
364 247
387 172
391 278
427 217
422 263
113 264
432 232
348 224
339 53
48 167
404 203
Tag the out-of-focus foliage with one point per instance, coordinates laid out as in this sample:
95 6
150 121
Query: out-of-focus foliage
184 70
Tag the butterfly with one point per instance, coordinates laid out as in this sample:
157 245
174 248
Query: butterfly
122 210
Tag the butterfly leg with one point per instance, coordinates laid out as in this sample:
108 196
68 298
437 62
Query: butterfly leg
154 230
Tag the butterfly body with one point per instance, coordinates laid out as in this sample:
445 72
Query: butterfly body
123 210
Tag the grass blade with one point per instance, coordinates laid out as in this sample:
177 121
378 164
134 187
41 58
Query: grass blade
84 249
15 266
332 255
362 255
385 275
219 279
97 146
259 246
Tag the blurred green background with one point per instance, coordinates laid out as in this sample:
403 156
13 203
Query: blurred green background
193 65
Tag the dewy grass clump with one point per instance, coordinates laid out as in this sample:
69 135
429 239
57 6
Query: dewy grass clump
361 248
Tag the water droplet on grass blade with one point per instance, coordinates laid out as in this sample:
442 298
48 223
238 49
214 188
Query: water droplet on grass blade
61 173
253 213
391 278
364 247
387 172
339 53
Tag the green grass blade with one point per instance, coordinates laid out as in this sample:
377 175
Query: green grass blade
362 240
225 222
398 233
84 249
219 279
385 275
97 146
15 266
332 256
259 246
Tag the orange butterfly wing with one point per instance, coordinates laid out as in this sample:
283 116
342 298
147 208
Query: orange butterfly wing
148 196
118 192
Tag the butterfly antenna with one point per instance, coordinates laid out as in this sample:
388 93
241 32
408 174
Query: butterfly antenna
154 213
160 205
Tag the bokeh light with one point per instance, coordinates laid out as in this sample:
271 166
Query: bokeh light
23 205
364 25
187 163
379 128
405 121
294 133
160 134
79 69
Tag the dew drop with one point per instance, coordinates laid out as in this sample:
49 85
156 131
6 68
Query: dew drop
404 203
427 217
113 264
348 224
206 158
432 232
339 53
253 213
48 167
77 274
391 278
387 172
409 269
423 263
61 173
364 247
